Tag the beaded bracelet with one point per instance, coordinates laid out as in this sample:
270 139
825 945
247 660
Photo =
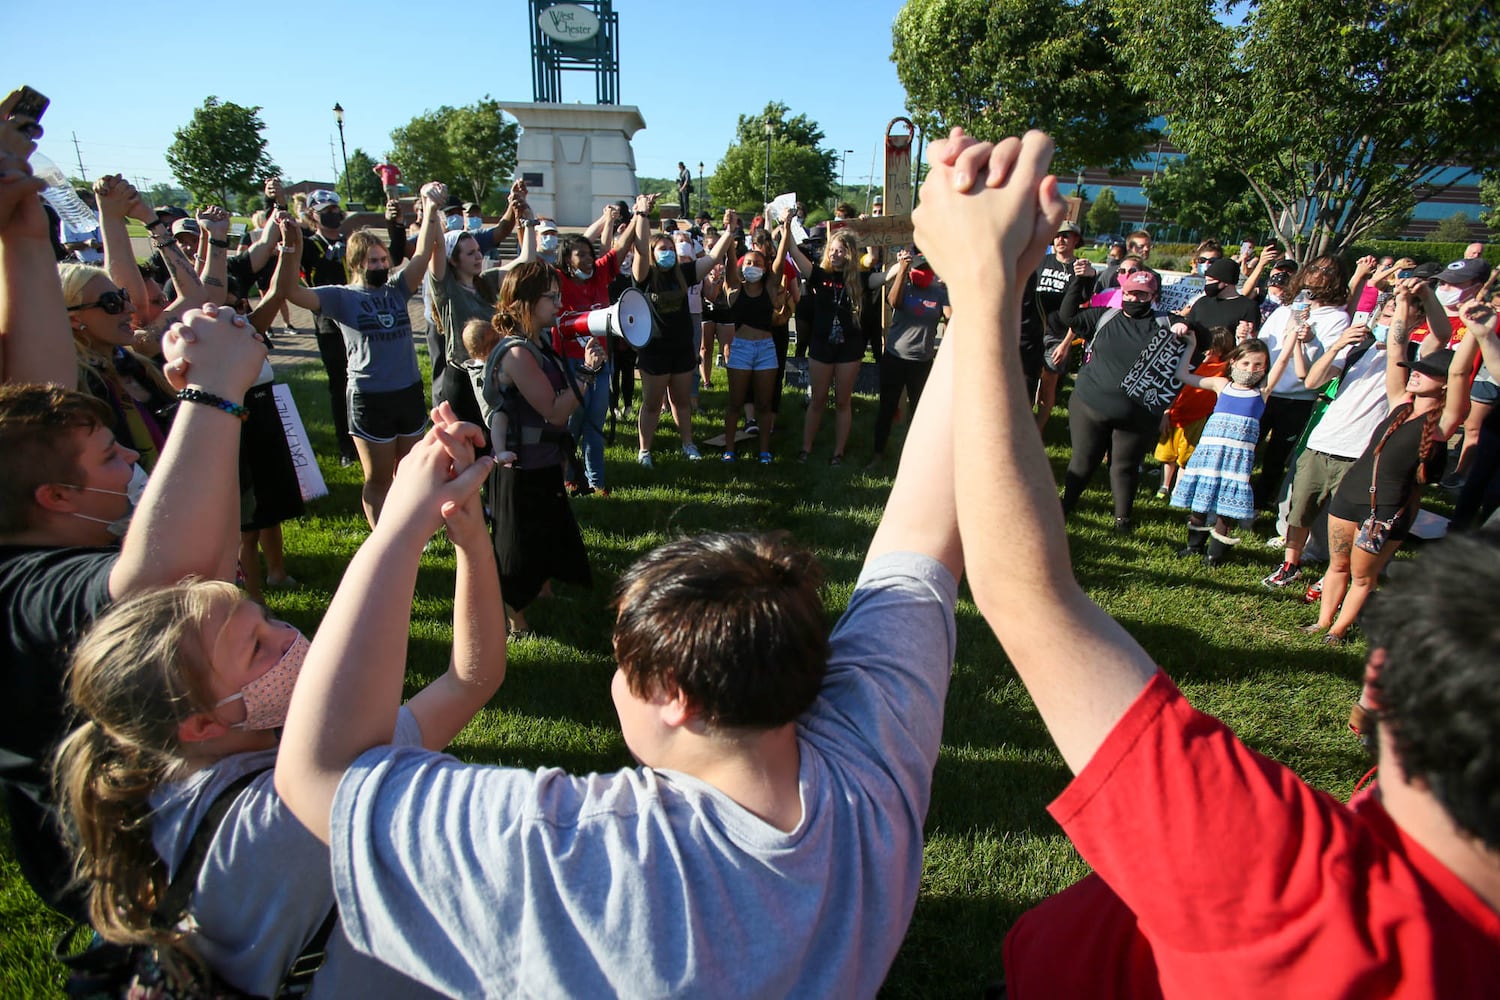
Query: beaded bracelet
235 410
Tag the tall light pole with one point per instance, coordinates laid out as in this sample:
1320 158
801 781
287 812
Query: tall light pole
702 191
338 116
843 169
765 191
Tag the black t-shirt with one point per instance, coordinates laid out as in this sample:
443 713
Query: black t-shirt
49 597
1208 312
322 259
669 300
1043 298
1113 350
830 301
1397 474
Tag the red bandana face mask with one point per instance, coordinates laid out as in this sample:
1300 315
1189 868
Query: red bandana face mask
922 277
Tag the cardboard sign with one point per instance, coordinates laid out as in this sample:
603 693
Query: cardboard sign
876 231
1178 290
309 476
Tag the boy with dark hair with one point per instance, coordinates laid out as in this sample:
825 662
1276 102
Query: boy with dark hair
1218 872
770 843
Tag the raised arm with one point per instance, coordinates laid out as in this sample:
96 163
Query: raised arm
1396 340
896 280
429 237
1363 268
114 196
1270 255
640 231
600 226
213 224
515 202
349 691
804 266
1456 403
289 265
285 277
985 217
187 522
477 666
36 344
716 255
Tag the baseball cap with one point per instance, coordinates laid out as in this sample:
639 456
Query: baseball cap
1435 364
1141 280
1071 228
546 226
1223 269
322 198
1464 272
185 226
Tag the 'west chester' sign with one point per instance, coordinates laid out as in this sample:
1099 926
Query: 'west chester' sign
566 22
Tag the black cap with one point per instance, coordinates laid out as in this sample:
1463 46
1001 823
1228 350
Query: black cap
1435 364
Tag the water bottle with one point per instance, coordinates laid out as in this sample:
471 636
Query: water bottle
62 196
1301 306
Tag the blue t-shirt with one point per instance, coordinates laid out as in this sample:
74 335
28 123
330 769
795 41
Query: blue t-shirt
493 881
377 333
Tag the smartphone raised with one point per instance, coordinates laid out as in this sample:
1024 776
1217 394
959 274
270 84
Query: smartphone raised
31 105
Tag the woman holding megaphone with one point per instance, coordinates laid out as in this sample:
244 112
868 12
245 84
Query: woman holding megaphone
668 360
536 537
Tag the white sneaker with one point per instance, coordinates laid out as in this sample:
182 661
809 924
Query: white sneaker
1279 542
692 452
645 459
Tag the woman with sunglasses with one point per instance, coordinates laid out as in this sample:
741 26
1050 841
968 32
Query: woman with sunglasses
1109 298
109 368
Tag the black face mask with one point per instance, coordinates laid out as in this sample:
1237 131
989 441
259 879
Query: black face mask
377 276
1213 288
1135 310
331 219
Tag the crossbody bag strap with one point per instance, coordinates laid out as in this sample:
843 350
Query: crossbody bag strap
174 901
1379 446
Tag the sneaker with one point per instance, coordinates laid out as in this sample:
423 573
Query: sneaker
1279 542
645 459
1163 494
1124 526
692 452
752 428
728 456
1314 593
1453 481
1285 574
765 458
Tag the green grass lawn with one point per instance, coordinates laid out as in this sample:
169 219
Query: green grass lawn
991 849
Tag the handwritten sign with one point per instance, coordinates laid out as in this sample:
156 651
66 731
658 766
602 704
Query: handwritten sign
568 22
876 231
1178 290
309 476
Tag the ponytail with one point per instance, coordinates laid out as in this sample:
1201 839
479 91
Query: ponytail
135 677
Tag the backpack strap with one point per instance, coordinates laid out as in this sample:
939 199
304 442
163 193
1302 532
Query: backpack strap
1162 319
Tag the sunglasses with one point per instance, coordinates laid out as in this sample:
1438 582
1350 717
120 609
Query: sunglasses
1126 270
112 302
1203 260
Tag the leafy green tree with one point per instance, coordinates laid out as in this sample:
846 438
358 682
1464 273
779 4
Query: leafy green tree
472 149
361 180
797 164
221 154
1337 114
1206 196
1453 229
1104 213
1000 68
1489 198
162 193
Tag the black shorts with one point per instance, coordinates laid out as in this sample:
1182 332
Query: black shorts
667 354
852 349
382 417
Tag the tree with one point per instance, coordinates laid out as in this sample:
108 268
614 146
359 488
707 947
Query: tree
361 181
1337 114
998 69
1489 198
221 152
472 149
797 164
1206 196
1104 213
165 194
1453 229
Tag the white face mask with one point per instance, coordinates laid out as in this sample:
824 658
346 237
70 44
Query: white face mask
133 491
474 225
268 696
1449 295
548 243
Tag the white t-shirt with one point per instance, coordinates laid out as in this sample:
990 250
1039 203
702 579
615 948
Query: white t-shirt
1328 323
1359 407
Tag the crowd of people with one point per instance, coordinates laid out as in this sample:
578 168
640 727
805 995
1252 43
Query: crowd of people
168 742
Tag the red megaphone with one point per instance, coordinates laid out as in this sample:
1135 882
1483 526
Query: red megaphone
629 318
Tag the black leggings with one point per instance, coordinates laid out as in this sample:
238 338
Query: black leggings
782 338
1127 442
897 374
622 382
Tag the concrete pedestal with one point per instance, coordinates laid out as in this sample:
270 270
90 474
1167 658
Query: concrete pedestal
576 158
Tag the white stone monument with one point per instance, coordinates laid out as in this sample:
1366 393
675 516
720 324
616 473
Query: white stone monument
576 158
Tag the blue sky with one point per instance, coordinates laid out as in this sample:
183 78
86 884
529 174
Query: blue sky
140 70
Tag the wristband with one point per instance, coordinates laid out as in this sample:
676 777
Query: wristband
154 222
191 395
285 248
218 243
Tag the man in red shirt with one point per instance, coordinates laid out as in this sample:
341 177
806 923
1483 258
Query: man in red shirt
1219 873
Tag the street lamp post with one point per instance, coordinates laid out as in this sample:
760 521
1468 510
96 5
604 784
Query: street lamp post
843 170
765 191
702 191
338 116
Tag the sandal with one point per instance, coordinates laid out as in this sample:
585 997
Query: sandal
802 456
836 460
516 634
1312 629
1334 639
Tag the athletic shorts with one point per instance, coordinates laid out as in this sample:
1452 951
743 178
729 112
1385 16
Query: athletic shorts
753 355
1176 446
1314 480
382 417
1484 391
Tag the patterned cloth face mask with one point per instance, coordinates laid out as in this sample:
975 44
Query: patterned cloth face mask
268 696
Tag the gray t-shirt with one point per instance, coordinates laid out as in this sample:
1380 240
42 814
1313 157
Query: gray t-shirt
377 333
265 887
498 882
913 331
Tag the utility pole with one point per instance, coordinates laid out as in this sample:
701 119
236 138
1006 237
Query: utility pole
82 176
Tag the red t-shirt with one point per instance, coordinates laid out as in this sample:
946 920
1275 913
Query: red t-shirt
1221 874
581 296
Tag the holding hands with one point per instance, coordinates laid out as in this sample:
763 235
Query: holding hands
214 348
437 483
435 193
21 213
215 221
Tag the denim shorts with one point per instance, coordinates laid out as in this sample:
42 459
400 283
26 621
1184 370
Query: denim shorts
753 355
